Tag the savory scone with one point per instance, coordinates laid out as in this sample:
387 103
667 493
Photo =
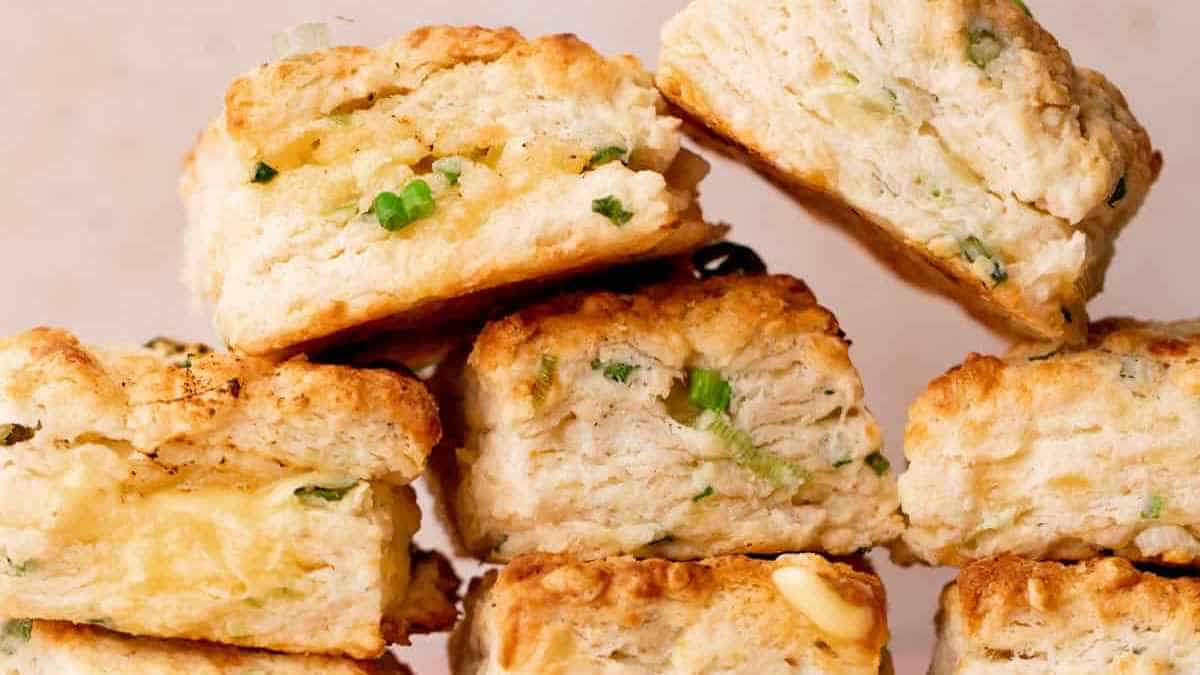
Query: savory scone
1061 453
1011 616
388 186
53 648
173 493
960 128
689 419
552 614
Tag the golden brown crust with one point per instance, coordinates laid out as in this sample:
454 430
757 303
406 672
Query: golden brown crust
980 377
540 608
284 411
996 592
739 305
91 650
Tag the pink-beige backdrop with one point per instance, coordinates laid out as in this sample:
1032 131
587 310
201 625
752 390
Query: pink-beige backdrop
99 100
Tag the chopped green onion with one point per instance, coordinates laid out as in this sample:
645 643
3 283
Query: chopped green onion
418 200
329 494
763 463
1023 7
707 390
878 463
837 464
1118 193
544 380
450 167
610 207
21 629
605 155
617 371
11 434
263 173
983 47
849 77
413 203
707 492
974 249
21 569
1154 508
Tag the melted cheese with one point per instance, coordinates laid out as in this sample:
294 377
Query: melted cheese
817 600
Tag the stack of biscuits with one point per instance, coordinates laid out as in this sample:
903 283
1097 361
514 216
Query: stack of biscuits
667 448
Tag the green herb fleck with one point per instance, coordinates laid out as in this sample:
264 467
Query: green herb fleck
605 155
100 622
13 433
610 207
849 78
413 203
1023 7
617 371
20 570
973 249
1154 508
21 629
894 99
450 167
707 390
878 463
263 173
1118 193
839 463
763 463
983 47
327 493
544 380
707 492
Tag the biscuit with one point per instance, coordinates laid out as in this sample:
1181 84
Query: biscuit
507 160
207 497
959 128
52 648
1061 453
551 614
185 406
689 419
1013 616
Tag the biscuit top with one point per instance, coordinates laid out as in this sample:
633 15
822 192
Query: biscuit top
275 112
849 609
717 316
995 595
1121 359
181 406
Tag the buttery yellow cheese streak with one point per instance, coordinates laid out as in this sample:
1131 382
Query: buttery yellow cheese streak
91 534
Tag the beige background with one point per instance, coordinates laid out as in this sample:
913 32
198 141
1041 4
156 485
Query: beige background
99 101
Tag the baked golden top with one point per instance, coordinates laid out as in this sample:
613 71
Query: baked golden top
182 406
